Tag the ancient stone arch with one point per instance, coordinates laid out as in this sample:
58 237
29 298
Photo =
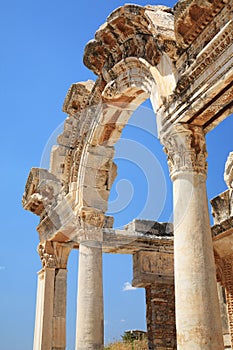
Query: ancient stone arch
181 58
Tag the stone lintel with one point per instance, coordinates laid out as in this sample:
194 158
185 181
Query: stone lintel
129 242
138 235
125 242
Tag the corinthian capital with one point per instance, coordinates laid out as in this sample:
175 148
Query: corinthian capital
54 254
185 147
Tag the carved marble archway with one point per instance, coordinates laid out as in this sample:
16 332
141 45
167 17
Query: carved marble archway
183 61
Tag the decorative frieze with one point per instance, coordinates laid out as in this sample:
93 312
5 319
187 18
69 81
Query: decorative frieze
205 58
185 147
192 16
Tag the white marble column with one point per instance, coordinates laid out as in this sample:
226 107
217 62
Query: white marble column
50 324
198 320
44 309
90 319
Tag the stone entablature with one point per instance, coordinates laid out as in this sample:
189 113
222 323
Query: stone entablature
205 65
191 17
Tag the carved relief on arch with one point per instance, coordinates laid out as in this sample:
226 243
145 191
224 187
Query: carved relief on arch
128 84
136 76
130 77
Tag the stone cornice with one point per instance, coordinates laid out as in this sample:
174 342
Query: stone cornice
205 82
130 31
192 16
207 56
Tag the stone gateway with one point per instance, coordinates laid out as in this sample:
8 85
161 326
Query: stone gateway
182 59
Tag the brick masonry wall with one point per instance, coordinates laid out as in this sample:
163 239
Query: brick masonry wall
160 315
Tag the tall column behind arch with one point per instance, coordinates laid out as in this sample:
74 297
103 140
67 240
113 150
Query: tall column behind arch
198 319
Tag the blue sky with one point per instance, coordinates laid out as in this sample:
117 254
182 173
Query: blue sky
42 45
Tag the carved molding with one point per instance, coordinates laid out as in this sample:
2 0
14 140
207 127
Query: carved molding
41 191
47 255
208 56
128 73
192 16
77 97
132 31
185 147
81 103
205 77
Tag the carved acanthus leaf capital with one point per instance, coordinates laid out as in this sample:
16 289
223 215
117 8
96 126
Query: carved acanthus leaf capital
185 147
47 256
54 254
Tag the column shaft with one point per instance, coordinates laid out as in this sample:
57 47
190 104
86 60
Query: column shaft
90 298
50 325
44 310
198 319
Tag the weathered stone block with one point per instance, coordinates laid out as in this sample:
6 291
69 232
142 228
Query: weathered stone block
152 267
